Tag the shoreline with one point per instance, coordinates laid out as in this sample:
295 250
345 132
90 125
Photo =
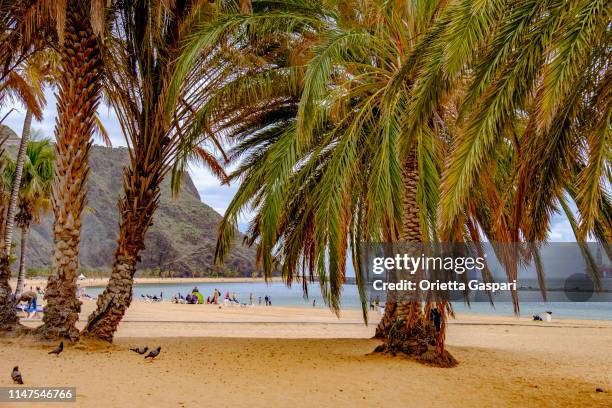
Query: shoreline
95 282
480 314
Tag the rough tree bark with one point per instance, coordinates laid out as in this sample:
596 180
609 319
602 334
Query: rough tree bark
410 233
8 316
22 261
404 327
79 92
137 206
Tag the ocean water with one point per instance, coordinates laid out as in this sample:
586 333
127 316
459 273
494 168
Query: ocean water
281 295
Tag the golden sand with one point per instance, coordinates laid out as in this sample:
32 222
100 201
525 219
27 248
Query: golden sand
298 357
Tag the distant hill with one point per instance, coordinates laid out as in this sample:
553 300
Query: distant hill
181 240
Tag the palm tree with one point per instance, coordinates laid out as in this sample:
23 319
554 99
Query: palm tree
19 80
34 194
8 316
328 178
30 80
79 83
155 119
546 63
76 26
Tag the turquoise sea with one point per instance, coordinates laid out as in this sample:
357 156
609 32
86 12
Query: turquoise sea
281 295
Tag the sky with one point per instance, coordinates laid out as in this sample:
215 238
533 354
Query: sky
211 191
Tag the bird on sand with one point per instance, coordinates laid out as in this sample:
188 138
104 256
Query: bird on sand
16 376
58 349
140 350
153 353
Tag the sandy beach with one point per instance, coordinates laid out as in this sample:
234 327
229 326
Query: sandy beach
288 357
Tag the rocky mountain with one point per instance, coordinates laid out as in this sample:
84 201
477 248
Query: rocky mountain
181 241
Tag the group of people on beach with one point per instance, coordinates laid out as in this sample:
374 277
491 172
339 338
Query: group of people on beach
153 298
196 297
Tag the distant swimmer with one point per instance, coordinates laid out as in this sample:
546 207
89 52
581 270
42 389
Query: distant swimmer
437 319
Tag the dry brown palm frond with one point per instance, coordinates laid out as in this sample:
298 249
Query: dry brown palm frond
100 130
15 87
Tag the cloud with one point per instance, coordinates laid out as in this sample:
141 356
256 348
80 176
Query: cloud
560 228
561 231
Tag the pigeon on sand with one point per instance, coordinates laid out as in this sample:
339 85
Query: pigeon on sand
58 349
16 376
140 350
153 353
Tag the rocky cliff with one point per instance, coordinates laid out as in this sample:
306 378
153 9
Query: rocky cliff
181 240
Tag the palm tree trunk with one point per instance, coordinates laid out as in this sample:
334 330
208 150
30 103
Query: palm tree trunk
12 206
410 233
2 212
78 99
22 260
404 326
8 317
137 208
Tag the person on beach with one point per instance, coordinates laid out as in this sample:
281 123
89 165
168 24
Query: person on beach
314 302
250 298
234 298
266 299
195 289
260 301
269 300
437 319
